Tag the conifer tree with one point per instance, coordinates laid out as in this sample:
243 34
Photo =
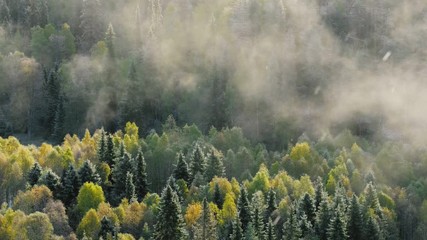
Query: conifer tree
319 191
307 207
307 231
243 208
371 199
141 182
53 182
250 233
70 185
206 225
337 227
271 203
130 187
292 228
181 171
271 232
170 223
258 223
215 166
323 217
34 174
102 147
87 173
91 24
373 231
107 231
237 233
109 152
218 199
355 220
110 35
198 163
121 168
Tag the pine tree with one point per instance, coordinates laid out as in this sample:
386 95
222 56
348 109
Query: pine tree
307 207
51 94
107 231
271 203
206 225
34 174
170 224
141 182
181 171
87 173
371 199
355 220
70 185
307 231
271 232
250 233
243 208
215 166
109 152
218 199
237 233
198 163
102 147
130 187
292 228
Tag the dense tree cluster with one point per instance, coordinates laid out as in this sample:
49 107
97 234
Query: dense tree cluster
73 191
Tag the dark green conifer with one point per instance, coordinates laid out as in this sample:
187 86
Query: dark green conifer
170 224
292 228
122 166
107 231
218 199
323 217
307 207
70 185
53 182
141 182
181 171
198 162
34 174
243 208
215 167
130 187
355 220
87 173
271 232
237 233
271 203
109 152
102 147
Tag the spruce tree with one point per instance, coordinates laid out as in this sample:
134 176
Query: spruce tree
53 182
258 223
271 232
243 208
371 199
307 206
355 220
110 35
91 24
206 225
218 199
237 233
215 166
271 203
70 185
318 193
372 230
87 173
323 217
107 231
141 182
250 233
121 168
337 227
102 147
181 171
292 228
170 223
34 174
198 162
109 152
130 187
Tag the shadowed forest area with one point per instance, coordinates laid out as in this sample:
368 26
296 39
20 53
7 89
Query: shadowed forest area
198 119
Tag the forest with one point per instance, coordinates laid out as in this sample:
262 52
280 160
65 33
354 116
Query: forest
225 119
